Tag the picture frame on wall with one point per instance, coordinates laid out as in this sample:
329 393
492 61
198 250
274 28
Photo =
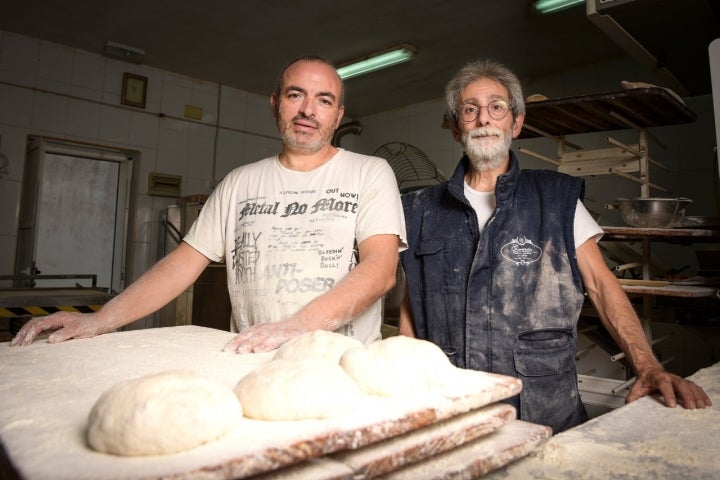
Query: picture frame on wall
134 90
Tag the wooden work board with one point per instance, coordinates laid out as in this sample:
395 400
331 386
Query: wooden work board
48 391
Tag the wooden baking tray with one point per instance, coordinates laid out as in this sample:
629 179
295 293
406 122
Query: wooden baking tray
644 107
48 390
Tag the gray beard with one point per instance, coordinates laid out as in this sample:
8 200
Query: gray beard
483 156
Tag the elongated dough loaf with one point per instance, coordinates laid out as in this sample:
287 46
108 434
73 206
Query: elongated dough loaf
163 413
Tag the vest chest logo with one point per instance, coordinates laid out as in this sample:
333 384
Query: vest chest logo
521 251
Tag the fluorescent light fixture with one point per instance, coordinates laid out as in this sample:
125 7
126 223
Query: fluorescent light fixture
377 61
550 6
123 52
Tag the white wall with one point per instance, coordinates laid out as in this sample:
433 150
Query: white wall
55 91
714 53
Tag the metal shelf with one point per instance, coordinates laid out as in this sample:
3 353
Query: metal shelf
669 235
687 291
684 236
635 109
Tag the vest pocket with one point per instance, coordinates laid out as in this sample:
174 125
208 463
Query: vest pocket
429 247
545 352
439 276
545 362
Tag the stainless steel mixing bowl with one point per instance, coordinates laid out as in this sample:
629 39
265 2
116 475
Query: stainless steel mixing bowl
653 212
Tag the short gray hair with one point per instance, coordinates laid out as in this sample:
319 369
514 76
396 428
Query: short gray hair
477 70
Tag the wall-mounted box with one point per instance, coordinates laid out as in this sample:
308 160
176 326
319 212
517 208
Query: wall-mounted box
164 185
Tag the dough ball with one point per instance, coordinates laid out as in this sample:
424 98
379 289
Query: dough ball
163 413
398 366
319 344
297 390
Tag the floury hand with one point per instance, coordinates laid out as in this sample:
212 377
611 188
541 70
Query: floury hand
265 337
67 325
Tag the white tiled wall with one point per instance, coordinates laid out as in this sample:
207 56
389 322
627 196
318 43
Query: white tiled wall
418 125
56 91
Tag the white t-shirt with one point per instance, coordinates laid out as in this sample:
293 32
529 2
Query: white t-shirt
584 226
288 236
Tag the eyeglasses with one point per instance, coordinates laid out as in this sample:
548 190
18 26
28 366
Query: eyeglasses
497 109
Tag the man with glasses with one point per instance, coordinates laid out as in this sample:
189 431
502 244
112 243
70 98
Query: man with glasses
499 260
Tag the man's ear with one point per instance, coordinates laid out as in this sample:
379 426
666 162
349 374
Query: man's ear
341 112
456 133
517 125
275 105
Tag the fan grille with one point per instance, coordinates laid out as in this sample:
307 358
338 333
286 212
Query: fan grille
413 169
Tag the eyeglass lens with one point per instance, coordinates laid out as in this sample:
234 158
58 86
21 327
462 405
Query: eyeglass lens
497 109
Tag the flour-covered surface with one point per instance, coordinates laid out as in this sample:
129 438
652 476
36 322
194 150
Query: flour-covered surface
48 390
643 439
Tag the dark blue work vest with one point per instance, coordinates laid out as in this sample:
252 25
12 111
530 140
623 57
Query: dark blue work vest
507 300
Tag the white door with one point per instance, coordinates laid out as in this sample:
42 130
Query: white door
77 214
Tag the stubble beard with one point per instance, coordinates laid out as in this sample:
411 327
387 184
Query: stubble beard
303 141
490 152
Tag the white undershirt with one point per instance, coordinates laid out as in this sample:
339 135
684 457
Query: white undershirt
584 226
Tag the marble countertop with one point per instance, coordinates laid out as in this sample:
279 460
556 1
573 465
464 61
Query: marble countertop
643 439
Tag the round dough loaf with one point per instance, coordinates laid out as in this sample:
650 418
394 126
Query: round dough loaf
297 390
398 366
320 344
162 413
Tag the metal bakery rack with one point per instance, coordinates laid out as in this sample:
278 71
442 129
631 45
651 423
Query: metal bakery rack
636 109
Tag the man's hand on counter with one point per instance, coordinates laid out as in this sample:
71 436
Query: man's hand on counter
65 325
674 389
264 337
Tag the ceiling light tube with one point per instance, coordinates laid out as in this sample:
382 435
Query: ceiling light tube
377 61
123 52
550 6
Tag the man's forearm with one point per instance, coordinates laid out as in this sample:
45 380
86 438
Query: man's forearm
154 288
623 324
349 297
371 278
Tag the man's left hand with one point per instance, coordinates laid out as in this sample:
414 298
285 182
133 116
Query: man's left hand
674 390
